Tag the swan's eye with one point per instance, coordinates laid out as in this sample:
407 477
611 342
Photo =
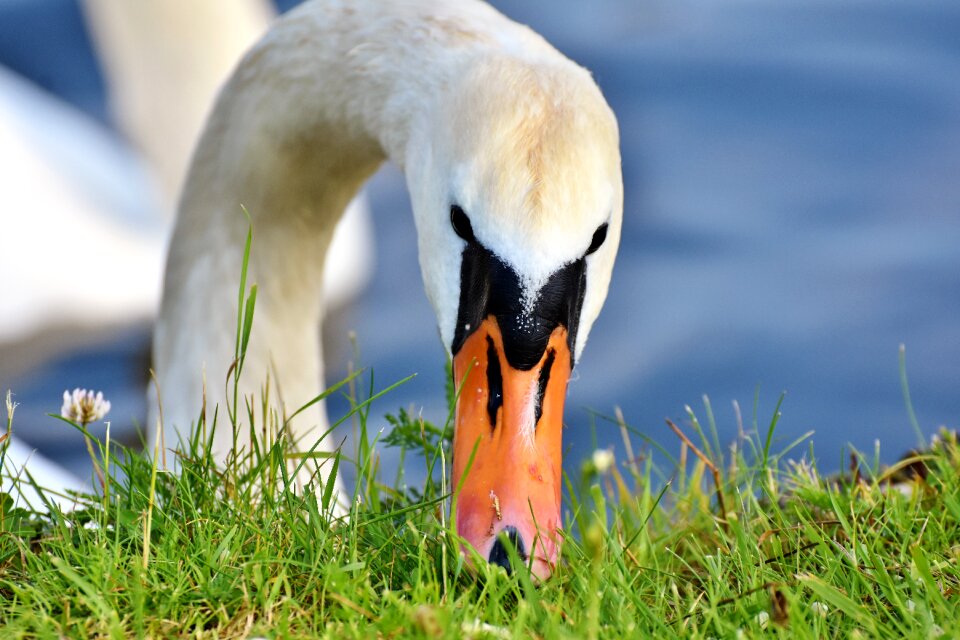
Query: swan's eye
461 223
598 237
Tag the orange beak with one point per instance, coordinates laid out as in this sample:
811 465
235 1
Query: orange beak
514 420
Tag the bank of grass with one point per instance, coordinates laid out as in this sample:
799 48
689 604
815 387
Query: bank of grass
651 550
709 542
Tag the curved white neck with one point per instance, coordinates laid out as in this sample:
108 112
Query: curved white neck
330 92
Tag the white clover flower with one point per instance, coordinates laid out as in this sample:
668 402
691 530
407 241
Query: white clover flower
478 627
819 608
83 406
762 619
602 460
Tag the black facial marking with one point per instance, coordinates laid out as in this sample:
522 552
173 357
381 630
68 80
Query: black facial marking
543 381
461 223
494 383
598 237
488 286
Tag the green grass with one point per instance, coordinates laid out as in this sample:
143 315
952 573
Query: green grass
227 553
713 542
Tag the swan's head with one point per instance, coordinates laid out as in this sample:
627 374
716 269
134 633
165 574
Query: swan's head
517 193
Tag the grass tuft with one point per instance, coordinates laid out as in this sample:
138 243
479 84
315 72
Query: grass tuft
716 544
235 551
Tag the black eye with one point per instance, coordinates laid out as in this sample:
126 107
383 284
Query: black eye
461 223
598 237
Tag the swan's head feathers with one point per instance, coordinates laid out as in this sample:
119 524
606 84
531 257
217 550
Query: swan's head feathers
516 188
530 153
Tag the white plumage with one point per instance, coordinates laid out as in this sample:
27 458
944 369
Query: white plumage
475 109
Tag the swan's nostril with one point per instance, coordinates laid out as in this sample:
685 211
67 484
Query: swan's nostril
498 552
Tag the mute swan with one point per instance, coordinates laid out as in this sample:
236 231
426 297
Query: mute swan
89 199
511 159
76 201
165 62
74 192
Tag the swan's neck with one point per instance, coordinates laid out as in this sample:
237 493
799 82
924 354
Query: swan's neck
310 113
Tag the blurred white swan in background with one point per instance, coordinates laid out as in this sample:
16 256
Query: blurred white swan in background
84 218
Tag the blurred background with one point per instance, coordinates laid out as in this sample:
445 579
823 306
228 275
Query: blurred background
792 179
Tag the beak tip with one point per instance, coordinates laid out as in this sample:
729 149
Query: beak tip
499 553
507 451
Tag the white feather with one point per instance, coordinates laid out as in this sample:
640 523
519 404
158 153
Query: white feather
477 110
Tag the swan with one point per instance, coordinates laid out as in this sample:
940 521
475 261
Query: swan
73 190
165 62
97 202
72 197
511 159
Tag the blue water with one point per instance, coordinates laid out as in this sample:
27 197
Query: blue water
792 175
